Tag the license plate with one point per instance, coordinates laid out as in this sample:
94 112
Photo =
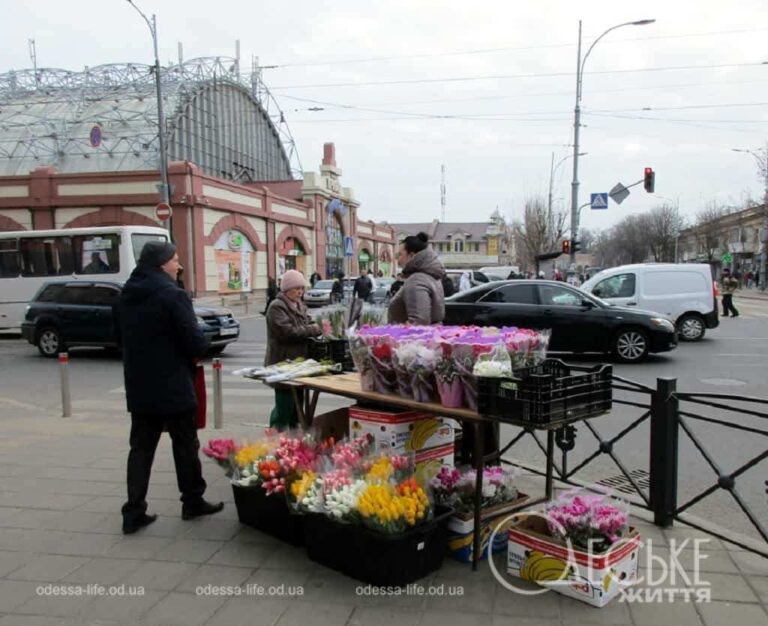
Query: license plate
224 332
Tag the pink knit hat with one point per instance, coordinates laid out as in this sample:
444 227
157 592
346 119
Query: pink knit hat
292 279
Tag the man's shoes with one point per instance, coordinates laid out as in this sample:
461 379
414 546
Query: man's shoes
191 511
131 525
737 315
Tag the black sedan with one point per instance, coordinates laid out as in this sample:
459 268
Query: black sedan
579 321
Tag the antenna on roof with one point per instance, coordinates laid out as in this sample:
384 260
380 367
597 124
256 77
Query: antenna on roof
442 193
33 56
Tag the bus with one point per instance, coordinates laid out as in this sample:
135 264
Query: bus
30 258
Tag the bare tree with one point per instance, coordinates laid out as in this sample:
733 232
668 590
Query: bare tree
709 231
539 230
662 224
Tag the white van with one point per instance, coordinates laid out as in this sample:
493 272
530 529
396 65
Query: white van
500 271
686 292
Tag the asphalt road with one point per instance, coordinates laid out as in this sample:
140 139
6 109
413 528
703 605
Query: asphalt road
731 359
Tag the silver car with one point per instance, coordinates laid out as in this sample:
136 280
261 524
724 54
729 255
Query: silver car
320 294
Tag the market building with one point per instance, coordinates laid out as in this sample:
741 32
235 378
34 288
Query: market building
81 149
466 245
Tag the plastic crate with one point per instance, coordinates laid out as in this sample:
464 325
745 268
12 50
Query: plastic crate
549 392
269 514
335 350
377 558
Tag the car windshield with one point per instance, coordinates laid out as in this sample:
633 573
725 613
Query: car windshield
384 282
323 284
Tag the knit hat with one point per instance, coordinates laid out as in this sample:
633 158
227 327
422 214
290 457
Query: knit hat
292 279
157 253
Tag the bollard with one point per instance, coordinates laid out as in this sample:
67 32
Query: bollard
218 404
66 398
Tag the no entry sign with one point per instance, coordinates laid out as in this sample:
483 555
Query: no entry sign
163 211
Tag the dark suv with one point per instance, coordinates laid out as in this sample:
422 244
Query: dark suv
82 313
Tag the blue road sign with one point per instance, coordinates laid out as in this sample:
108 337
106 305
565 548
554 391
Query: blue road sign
349 247
598 200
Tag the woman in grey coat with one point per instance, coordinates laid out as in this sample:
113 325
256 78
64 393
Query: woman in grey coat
420 300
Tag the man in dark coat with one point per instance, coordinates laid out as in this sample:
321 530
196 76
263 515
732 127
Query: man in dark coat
161 340
363 287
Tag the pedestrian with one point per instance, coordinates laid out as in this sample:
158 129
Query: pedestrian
421 299
161 341
730 285
464 282
288 329
363 287
748 279
337 289
272 292
396 285
380 274
314 278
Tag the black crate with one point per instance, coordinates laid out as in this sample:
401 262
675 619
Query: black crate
549 392
269 514
377 558
335 350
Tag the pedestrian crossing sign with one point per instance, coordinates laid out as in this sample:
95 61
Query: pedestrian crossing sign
598 200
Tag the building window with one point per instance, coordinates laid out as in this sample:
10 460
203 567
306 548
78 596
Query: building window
458 246
334 247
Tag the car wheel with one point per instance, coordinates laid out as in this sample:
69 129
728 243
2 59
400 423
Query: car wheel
691 327
49 342
630 345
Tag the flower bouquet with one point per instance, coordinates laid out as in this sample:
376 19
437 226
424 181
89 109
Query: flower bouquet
591 521
465 354
456 488
447 379
223 452
331 323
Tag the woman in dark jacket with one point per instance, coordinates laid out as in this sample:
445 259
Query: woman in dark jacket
288 328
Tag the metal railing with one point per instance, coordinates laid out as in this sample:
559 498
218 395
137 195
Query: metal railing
669 413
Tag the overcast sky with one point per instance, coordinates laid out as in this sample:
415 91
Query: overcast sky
485 87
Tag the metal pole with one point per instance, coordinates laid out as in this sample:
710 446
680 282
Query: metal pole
664 452
551 176
66 396
218 401
764 271
576 126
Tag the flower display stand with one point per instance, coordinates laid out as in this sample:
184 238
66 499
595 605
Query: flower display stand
377 558
269 514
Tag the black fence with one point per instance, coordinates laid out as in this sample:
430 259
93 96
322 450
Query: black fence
674 420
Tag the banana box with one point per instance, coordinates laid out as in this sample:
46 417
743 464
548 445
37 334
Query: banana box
429 462
461 545
403 431
532 554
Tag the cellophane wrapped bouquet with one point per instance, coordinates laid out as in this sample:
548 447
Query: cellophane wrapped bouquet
590 520
455 487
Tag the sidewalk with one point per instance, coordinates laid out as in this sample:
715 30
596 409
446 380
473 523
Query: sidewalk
753 294
62 487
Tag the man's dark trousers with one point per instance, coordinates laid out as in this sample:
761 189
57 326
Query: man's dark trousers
145 435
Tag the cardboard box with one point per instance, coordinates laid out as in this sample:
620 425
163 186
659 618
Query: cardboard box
461 545
532 554
465 522
332 424
429 462
401 431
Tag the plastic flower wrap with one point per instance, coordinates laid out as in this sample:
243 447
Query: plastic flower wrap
526 347
387 467
403 357
494 364
456 488
464 355
588 517
384 375
341 503
331 322
306 493
349 455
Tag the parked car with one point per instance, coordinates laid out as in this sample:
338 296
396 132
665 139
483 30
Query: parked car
685 292
320 294
579 321
64 314
475 277
381 294
500 272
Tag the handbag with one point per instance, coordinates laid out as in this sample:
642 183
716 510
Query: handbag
201 394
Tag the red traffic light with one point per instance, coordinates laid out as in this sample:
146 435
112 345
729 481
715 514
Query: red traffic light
649 179
566 247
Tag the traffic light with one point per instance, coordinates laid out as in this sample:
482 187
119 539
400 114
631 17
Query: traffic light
566 246
649 179
575 246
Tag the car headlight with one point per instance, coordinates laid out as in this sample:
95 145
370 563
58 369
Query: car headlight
200 320
662 323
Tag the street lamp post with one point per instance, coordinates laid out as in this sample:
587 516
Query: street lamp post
165 191
552 169
762 164
577 125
